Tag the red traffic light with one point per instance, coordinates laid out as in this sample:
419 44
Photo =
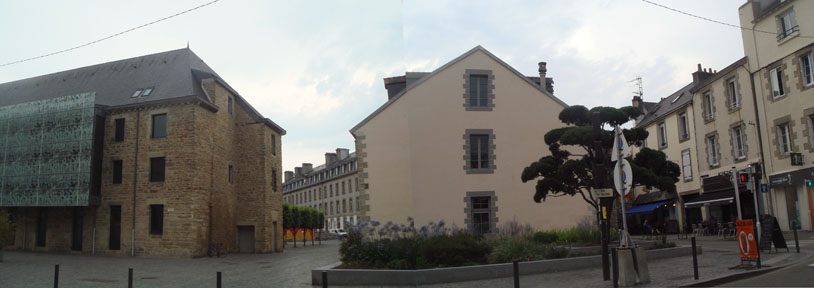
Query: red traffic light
744 177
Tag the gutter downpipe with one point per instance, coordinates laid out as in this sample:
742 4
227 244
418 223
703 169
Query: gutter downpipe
135 178
764 173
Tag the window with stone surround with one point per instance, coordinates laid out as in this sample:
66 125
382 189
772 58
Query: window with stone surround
709 106
776 79
274 179
732 100
157 169
686 164
159 126
683 127
481 211
810 119
662 134
806 70
786 25
119 136
784 139
478 90
156 219
712 150
479 147
738 145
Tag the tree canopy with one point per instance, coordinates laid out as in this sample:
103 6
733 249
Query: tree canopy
568 172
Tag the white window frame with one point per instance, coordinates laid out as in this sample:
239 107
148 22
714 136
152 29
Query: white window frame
712 151
732 93
662 134
786 25
811 130
683 126
806 70
783 139
686 165
737 142
709 107
776 79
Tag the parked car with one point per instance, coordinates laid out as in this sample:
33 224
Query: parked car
339 233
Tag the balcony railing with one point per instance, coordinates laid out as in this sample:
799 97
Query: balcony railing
788 32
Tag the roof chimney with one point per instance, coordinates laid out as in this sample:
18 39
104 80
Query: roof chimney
297 172
342 153
330 158
542 69
701 75
637 102
288 175
307 168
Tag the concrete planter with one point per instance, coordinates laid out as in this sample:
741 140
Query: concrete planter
469 273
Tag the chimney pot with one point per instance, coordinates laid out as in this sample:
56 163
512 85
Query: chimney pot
699 67
542 69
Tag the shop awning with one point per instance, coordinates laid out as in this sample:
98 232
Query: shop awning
644 208
710 198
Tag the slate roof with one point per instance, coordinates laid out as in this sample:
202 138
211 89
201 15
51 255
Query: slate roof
175 74
668 105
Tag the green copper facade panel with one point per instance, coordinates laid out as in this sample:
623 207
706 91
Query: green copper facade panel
47 150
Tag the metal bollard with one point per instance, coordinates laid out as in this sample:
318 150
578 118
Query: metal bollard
219 280
56 276
796 242
615 264
130 278
516 274
694 259
324 279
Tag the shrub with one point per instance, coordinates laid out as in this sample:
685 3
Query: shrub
453 250
545 237
516 248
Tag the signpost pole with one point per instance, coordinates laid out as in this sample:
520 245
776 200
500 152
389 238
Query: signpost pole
622 176
599 182
734 179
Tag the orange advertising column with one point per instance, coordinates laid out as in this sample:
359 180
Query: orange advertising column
747 242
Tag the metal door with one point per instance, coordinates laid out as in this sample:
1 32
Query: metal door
245 236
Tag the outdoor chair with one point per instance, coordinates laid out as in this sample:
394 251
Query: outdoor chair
721 230
732 229
694 230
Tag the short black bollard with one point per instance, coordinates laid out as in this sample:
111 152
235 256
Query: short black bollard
56 276
516 265
615 264
219 280
694 260
796 242
324 279
130 278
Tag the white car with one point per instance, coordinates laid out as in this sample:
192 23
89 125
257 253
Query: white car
339 233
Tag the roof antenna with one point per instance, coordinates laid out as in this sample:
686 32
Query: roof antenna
638 81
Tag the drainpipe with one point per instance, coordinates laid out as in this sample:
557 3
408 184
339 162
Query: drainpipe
93 245
135 178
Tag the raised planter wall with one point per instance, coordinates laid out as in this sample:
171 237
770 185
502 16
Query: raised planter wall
469 273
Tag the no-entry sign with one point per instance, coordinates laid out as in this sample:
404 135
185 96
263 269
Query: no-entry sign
747 242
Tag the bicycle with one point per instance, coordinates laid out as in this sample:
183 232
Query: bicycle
217 249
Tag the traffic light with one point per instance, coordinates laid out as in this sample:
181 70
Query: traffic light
743 177
810 183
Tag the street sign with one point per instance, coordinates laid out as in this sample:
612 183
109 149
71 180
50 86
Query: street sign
602 192
747 243
764 188
620 147
622 177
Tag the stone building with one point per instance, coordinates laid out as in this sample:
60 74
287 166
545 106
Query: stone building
451 145
332 188
150 156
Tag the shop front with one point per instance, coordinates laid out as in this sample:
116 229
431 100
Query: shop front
716 207
793 201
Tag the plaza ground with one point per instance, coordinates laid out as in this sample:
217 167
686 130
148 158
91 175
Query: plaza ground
293 268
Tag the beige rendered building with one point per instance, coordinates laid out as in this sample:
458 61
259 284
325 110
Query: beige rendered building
332 188
451 145
779 44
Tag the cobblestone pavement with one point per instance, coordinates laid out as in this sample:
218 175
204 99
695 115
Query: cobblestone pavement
291 268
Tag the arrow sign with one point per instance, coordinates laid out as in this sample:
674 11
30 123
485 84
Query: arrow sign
620 147
622 177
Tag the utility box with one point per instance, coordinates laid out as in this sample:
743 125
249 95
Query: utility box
632 267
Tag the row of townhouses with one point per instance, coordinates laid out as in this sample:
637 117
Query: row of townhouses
758 111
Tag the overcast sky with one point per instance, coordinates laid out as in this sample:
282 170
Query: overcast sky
316 67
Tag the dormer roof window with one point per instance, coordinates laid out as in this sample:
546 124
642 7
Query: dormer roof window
142 92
